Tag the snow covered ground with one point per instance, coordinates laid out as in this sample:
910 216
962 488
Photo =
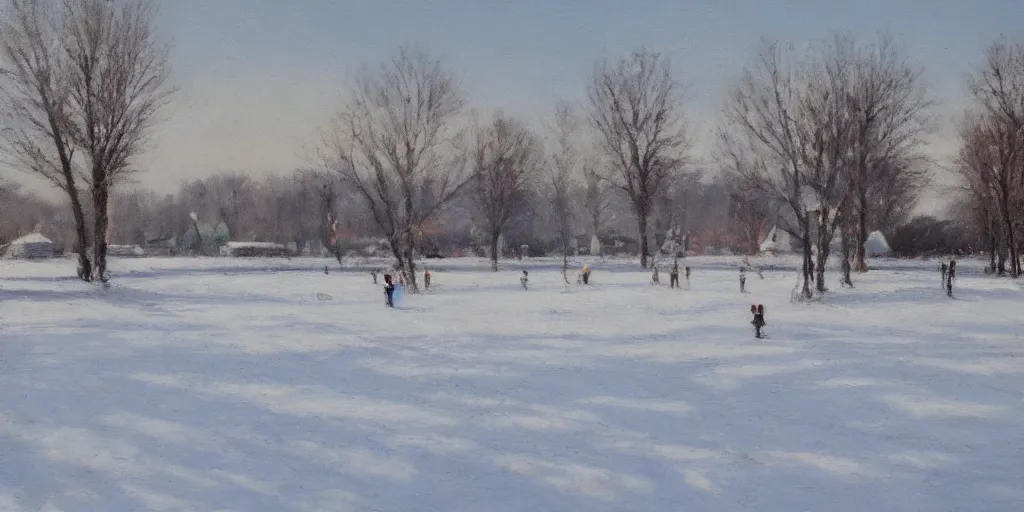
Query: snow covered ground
227 384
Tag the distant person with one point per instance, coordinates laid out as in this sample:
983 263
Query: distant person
743 280
524 279
758 321
373 273
949 277
586 274
674 275
389 290
687 277
655 280
943 269
426 279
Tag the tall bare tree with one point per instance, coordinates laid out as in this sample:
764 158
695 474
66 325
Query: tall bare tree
119 80
393 141
889 109
37 133
825 122
637 111
506 157
993 138
764 141
563 168
89 77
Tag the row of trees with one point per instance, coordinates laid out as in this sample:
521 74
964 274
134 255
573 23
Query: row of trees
822 140
81 82
832 137
991 158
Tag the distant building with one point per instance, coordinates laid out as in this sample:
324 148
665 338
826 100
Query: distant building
34 246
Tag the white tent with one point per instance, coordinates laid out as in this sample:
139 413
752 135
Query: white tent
877 245
595 245
778 240
30 247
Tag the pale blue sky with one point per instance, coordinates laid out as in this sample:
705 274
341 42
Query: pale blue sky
257 76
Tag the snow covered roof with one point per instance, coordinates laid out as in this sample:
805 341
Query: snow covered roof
34 238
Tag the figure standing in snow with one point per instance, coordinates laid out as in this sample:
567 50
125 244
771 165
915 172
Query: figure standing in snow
943 269
687 278
586 274
950 276
743 280
374 274
524 279
389 290
674 275
426 279
654 276
758 322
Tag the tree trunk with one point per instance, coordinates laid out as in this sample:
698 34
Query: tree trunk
860 263
992 248
99 235
1011 243
845 234
641 220
410 270
81 237
805 236
494 250
824 241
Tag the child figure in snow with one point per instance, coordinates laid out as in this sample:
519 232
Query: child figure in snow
586 274
943 269
758 321
389 291
426 279
674 275
374 274
950 276
655 280
524 279
743 279
687 277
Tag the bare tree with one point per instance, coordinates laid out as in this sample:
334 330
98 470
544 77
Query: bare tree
596 197
889 107
390 143
747 216
993 138
37 134
506 157
764 142
564 163
636 109
825 121
320 190
118 80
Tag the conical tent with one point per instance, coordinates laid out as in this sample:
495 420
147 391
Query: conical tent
877 245
778 240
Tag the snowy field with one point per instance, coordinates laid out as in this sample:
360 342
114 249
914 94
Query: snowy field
202 385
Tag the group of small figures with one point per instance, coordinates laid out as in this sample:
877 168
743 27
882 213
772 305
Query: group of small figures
673 276
583 277
391 284
948 274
